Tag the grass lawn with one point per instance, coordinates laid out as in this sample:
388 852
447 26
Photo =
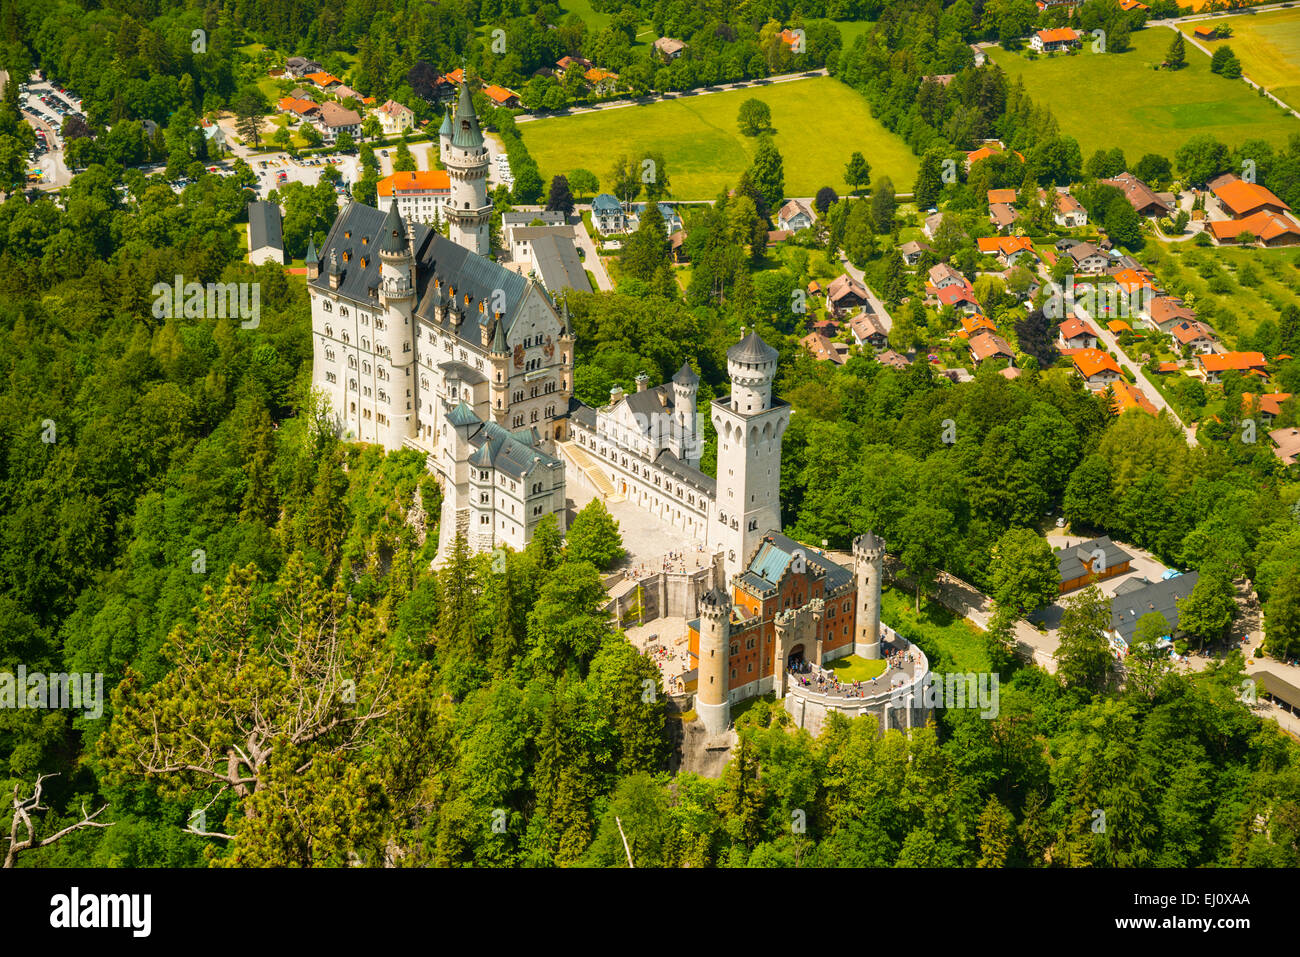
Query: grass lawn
1143 110
704 150
853 668
936 630
850 30
1268 46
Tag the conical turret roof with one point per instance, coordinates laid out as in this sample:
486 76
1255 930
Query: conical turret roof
393 233
467 133
752 349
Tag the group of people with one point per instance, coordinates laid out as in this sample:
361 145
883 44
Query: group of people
675 561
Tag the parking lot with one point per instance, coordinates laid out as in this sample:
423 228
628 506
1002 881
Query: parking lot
45 107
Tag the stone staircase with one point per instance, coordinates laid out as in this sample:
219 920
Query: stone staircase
575 455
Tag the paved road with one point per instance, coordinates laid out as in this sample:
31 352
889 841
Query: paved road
656 97
1108 340
877 306
592 258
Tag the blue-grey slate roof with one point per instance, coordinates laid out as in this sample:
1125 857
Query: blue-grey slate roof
264 226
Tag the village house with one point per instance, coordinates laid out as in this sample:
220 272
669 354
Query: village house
823 349
892 359
1007 196
912 251
1194 335
670 48
1138 596
1002 216
601 81
989 149
1265 227
794 216
501 96
323 79
1075 333
336 120
1088 258
978 54
932 224
1165 312
973 325
845 294
1206 32
868 330
299 66
1089 562
1286 445
1006 248
1051 41
1214 365
607 215
1097 369
1128 396
1141 197
303 109
989 345
677 247
395 118
959 298
1270 404
943 275
672 219
345 92
1067 212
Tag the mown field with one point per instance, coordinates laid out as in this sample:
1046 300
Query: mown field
706 153
1106 100
1268 46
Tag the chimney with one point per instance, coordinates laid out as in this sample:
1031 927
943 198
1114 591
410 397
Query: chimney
642 381
615 395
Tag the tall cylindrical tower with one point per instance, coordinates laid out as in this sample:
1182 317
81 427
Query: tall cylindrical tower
712 703
868 566
466 159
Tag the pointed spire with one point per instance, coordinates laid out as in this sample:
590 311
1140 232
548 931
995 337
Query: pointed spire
312 259
467 134
393 233
447 128
499 338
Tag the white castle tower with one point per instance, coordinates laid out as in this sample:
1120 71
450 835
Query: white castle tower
750 427
868 564
712 698
466 159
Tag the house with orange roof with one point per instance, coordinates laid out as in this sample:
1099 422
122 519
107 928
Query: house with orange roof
420 195
1268 228
602 81
1270 404
1050 41
1206 32
1075 333
993 148
1002 196
323 80
989 345
1127 396
501 96
972 325
1133 280
1214 365
302 108
1116 326
791 37
1097 369
1195 335
1007 248
1168 368
1127 5
1237 198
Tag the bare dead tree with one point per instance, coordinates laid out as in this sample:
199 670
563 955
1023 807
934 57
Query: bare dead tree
24 808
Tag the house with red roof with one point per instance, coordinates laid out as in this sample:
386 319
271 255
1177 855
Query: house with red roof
1214 365
1075 333
1195 335
1007 248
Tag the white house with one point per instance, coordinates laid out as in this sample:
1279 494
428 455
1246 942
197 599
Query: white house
395 118
794 216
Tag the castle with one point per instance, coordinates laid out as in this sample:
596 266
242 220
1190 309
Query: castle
422 342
